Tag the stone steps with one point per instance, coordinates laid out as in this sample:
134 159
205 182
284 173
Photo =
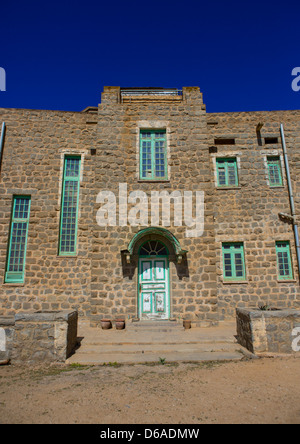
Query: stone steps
147 343
142 358
155 327
153 348
152 339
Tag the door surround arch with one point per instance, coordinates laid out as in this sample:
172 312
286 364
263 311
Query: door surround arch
136 258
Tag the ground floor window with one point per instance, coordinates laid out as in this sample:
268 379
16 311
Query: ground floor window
15 267
233 261
69 206
284 261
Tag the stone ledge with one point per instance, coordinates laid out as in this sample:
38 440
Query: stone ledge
39 337
267 331
6 321
276 313
44 316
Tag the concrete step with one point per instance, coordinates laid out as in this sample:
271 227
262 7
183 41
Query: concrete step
141 337
154 326
154 342
142 358
153 348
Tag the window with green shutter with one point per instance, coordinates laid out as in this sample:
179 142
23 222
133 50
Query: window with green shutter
153 155
284 261
15 266
233 261
274 170
227 172
69 206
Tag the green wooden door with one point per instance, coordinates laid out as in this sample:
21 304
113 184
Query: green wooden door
154 296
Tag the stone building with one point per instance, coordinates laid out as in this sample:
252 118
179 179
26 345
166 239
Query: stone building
148 207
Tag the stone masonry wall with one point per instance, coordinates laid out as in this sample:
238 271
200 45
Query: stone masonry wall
113 293
32 164
97 282
268 331
39 337
249 214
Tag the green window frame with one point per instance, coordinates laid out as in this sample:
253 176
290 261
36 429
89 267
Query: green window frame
153 155
284 261
15 265
274 171
227 172
69 206
233 261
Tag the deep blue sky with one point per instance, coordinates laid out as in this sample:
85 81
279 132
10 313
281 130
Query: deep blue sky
59 55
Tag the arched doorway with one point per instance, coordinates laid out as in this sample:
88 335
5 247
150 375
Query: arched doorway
150 252
153 281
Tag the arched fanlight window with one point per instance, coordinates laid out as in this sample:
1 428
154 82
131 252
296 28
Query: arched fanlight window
153 248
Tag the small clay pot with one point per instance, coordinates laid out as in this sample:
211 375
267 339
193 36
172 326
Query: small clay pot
187 324
106 324
120 324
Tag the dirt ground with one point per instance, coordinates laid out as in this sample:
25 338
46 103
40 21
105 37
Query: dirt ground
250 391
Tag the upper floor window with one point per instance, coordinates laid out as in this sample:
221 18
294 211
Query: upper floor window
69 206
227 172
274 170
153 155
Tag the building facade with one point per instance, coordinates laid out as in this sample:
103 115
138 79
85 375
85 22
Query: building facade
148 207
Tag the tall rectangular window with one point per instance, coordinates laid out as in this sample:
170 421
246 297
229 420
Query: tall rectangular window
15 266
69 206
274 170
227 172
153 155
233 262
284 261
